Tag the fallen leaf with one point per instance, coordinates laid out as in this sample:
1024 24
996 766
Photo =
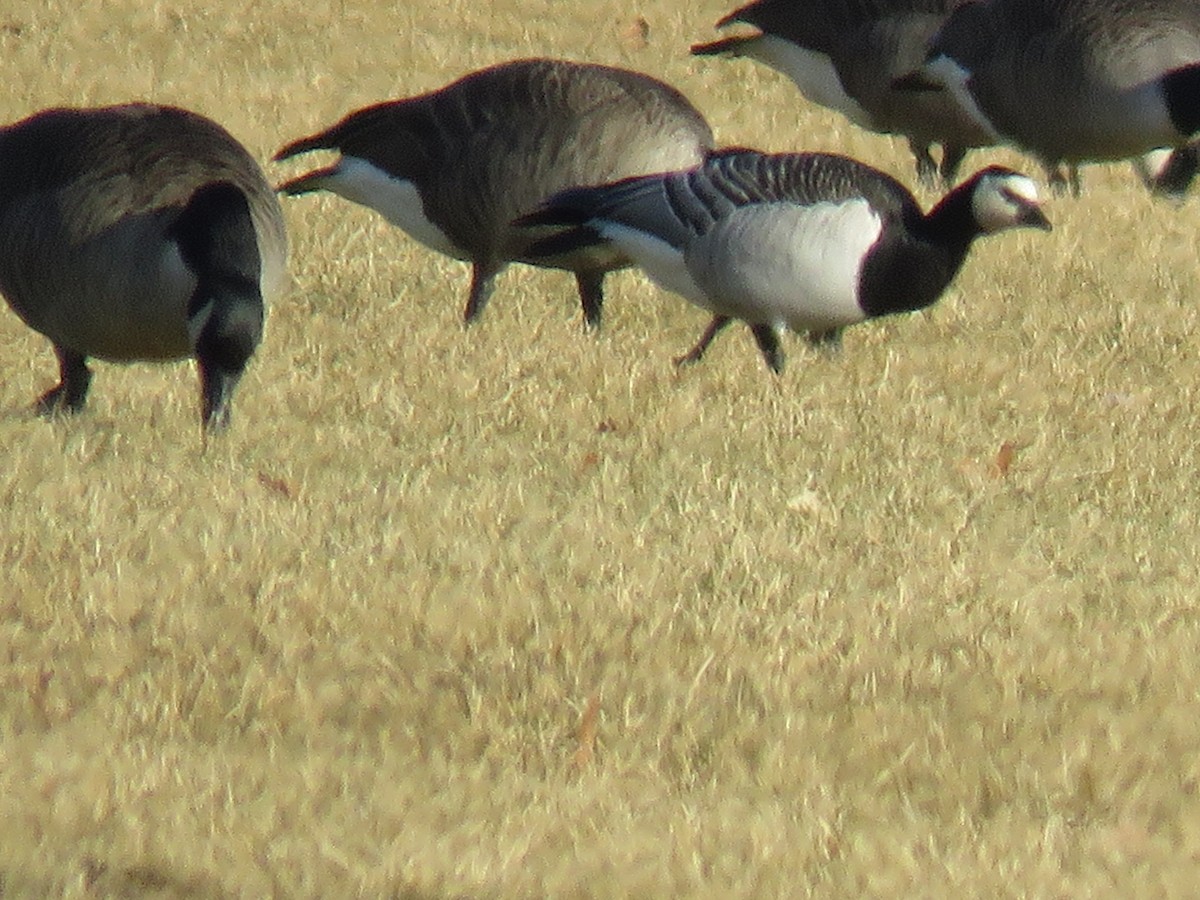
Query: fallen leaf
636 33
1004 459
585 751
278 485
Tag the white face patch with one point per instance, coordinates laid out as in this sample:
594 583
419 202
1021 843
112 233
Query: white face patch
396 199
996 204
946 71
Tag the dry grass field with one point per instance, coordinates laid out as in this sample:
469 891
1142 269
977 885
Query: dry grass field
519 611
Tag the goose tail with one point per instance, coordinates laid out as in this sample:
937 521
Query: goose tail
216 237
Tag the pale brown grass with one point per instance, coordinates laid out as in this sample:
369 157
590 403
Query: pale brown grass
519 611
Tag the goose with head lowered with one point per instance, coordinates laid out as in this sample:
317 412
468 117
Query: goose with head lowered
138 232
454 167
1075 81
846 55
813 242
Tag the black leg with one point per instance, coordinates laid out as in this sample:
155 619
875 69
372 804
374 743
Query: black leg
482 283
697 353
591 295
216 392
829 341
926 168
952 158
768 342
74 379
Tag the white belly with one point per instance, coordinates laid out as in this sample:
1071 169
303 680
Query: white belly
782 264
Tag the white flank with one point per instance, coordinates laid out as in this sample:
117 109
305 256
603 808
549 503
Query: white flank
813 73
396 199
662 263
784 264
946 71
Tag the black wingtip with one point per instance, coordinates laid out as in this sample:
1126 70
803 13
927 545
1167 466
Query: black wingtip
564 243
555 211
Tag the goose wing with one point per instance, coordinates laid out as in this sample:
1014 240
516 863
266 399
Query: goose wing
676 206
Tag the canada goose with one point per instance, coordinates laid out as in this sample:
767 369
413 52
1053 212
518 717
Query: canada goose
846 54
809 241
454 167
137 232
1074 81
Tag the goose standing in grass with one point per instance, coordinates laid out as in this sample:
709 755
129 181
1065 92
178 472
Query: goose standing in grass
138 232
847 54
1074 81
454 167
807 241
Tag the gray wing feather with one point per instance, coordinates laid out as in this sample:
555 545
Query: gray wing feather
677 206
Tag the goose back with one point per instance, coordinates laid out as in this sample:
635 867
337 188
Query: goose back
497 142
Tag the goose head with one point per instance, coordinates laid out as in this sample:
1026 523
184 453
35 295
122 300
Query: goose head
1002 198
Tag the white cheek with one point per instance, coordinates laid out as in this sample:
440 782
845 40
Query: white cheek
992 211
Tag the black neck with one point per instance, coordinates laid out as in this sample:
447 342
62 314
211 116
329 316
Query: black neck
1181 90
910 270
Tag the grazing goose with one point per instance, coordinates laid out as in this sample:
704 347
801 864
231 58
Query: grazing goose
454 167
809 241
846 55
137 232
1074 81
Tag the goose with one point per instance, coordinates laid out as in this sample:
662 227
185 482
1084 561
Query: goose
455 166
813 242
846 54
138 232
1074 81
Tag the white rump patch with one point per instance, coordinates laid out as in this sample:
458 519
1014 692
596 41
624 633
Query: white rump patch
812 72
781 263
396 199
662 263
